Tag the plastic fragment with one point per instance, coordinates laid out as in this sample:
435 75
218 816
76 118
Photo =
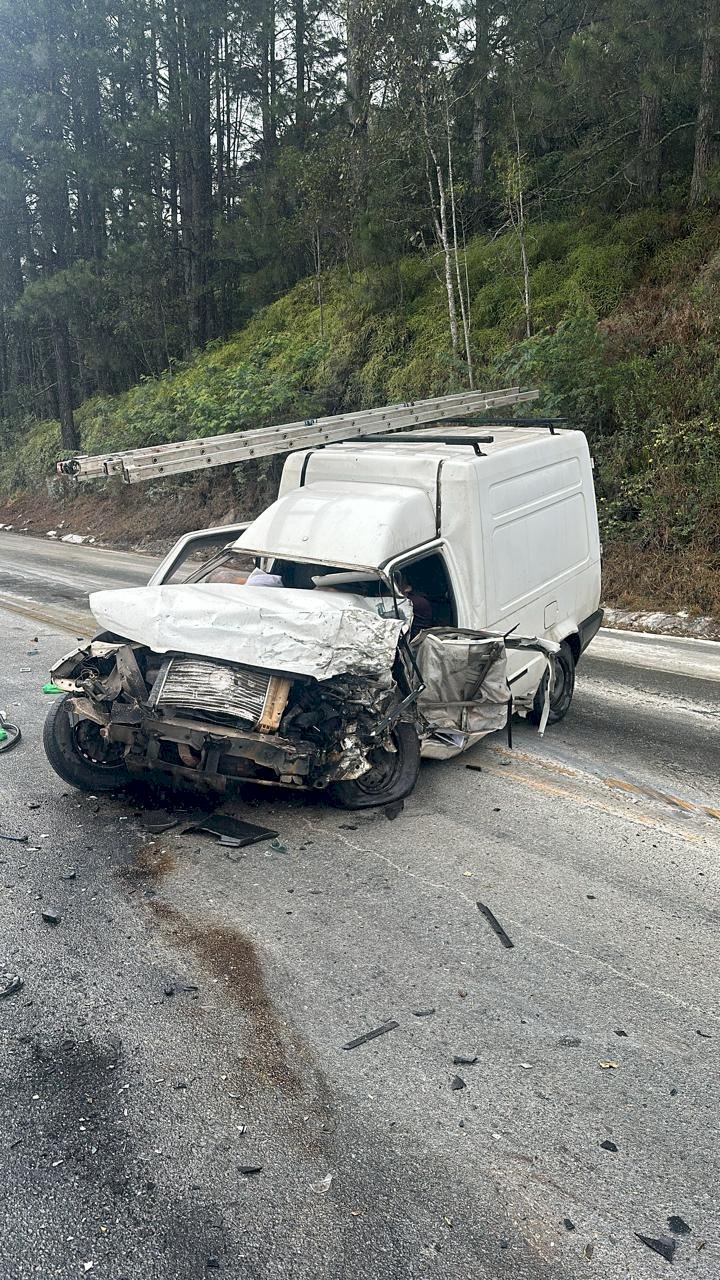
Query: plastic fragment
15 839
495 925
457 1083
460 1061
423 1013
371 1035
662 1245
321 1188
608 1066
9 984
607 1145
568 1224
51 687
248 1170
51 916
678 1225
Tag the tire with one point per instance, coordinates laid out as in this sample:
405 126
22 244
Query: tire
563 688
69 748
393 777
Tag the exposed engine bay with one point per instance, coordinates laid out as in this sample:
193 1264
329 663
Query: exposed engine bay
209 721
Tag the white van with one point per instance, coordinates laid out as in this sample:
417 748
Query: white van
464 563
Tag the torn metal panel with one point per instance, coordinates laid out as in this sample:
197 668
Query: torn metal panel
289 632
466 692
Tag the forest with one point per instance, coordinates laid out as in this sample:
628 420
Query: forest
217 212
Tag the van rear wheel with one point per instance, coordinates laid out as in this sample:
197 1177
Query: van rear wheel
563 688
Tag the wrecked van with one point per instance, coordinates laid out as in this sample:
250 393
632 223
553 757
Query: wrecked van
403 597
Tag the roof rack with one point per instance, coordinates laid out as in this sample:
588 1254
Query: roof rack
432 437
550 423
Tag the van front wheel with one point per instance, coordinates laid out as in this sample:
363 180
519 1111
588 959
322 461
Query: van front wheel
392 776
563 688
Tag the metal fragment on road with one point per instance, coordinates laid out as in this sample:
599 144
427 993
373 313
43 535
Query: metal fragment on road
156 821
460 1061
660 1244
371 1035
495 925
423 1013
231 829
9 984
4 835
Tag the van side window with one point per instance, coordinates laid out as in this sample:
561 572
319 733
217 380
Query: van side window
428 580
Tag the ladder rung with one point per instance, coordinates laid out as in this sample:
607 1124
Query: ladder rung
213 451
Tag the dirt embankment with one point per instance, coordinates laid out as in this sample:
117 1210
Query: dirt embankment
141 518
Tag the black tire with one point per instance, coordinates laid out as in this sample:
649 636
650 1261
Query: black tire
562 691
392 779
69 748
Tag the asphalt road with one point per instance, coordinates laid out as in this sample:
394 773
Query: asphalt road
185 1018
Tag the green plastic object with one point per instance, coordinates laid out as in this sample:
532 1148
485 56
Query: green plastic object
51 688
3 735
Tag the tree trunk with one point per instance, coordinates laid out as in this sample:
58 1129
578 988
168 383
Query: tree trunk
358 75
707 108
63 371
480 130
300 103
267 76
647 162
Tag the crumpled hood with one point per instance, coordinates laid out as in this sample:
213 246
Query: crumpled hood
308 633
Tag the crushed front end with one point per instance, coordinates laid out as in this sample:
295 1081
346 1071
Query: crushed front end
204 721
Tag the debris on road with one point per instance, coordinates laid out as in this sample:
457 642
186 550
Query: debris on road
371 1035
4 835
10 735
460 1061
70 874
51 916
607 1145
231 831
278 846
568 1224
321 1188
662 1245
156 821
212 1263
393 811
678 1225
9 984
248 1170
423 1013
495 925
608 1066
457 1083
51 687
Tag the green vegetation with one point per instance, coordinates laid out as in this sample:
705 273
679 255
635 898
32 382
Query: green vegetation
628 325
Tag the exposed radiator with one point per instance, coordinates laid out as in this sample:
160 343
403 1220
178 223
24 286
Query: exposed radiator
201 686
